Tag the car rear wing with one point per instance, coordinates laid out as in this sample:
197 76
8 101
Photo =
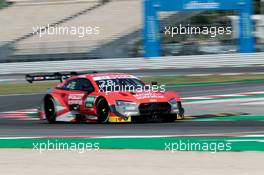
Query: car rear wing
49 77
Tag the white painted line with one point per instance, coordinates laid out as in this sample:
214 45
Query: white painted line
242 100
246 140
221 97
4 80
235 134
252 136
196 98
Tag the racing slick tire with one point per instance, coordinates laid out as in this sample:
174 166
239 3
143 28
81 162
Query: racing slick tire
180 116
50 110
103 110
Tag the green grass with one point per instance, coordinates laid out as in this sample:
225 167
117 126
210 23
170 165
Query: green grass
17 88
38 87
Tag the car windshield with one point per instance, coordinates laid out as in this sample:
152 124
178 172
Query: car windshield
120 84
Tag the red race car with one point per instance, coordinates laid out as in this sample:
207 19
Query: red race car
107 97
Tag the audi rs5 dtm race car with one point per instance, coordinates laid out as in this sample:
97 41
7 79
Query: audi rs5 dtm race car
108 97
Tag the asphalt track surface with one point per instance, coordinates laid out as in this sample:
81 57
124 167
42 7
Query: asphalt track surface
19 128
15 102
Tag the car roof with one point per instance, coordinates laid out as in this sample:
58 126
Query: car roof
97 76
107 74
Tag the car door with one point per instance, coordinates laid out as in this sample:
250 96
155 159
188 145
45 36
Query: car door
75 92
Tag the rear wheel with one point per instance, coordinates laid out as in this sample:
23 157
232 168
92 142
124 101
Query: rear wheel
50 110
103 110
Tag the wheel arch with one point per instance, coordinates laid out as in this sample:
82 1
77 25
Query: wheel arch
101 97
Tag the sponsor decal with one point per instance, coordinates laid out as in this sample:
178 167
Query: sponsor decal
89 101
153 100
113 77
82 76
38 78
153 33
140 96
75 99
116 119
201 5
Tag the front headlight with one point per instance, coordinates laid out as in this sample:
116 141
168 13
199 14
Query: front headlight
127 108
174 105
173 101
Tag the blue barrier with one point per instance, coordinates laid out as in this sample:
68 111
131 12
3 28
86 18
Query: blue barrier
152 46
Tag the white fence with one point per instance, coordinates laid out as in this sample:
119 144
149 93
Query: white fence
195 61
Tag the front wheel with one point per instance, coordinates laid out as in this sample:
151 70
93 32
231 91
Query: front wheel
180 115
103 110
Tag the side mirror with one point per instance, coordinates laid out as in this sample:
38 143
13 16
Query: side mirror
153 83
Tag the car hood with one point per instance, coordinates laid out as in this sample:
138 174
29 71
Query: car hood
140 97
